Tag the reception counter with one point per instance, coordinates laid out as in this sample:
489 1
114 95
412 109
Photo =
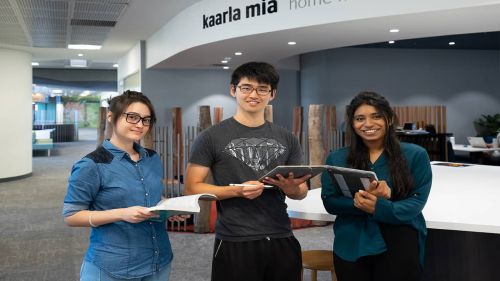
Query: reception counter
463 219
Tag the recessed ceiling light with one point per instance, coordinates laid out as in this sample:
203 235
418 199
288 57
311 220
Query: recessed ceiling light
115 65
80 55
451 43
393 30
238 53
84 47
223 61
392 42
35 63
225 67
292 43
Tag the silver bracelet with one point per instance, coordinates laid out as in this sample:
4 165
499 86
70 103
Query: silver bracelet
90 220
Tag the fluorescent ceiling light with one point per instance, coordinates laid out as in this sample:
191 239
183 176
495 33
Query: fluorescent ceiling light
223 61
115 65
393 30
292 43
451 43
238 53
80 55
84 47
35 63
78 63
225 67
392 42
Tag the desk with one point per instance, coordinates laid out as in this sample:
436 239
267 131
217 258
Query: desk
435 144
463 220
468 148
476 154
309 208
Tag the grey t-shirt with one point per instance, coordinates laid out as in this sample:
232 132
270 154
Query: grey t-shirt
236 153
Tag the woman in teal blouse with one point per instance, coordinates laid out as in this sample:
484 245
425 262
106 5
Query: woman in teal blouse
380 233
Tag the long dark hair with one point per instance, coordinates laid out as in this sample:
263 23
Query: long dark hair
359 157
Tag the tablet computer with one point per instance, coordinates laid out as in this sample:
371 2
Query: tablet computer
298 171
349 181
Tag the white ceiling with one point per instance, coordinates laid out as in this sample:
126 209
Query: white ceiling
45 27
25 24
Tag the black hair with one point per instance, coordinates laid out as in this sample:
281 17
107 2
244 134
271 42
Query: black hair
359 157
262 72
119 104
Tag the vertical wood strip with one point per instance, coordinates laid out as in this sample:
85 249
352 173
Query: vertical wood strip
297 121
268 113
101 128
177 143
316 140
218 110
202 219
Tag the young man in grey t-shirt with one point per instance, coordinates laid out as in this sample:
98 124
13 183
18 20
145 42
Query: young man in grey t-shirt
254 240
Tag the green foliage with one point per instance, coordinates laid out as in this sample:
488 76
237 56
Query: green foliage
488 125
92 113
77 98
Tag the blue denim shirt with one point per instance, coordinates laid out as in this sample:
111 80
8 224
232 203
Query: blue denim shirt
108 179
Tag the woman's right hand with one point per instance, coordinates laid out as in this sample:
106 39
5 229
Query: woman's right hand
380 189
136 214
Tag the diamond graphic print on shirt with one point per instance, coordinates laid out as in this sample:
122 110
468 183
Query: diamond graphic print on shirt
256 153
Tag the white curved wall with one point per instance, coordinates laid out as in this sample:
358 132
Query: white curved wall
15 114
187 30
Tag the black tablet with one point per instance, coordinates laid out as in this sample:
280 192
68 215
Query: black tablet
298 171
349 181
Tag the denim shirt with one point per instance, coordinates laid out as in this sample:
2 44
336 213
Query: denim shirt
108 179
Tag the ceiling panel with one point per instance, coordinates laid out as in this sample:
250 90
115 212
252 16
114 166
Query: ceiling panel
89 34
99 10
57 23
7 15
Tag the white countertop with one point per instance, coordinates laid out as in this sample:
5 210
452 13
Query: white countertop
461 198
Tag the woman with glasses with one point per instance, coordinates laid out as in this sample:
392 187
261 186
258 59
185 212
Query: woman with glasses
110 190
380 233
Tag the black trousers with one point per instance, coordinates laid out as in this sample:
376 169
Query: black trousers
399 263
258 260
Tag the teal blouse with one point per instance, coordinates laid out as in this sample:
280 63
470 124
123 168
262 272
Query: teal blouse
357 233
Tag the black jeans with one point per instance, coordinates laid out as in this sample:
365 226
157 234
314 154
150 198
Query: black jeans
399 263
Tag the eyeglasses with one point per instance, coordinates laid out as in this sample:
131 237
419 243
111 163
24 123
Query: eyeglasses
134 118
248 89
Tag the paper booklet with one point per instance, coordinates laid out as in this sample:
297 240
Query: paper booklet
184 204
347 181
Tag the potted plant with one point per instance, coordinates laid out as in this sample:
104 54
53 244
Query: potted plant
488 125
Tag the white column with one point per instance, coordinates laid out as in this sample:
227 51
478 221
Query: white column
15 114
